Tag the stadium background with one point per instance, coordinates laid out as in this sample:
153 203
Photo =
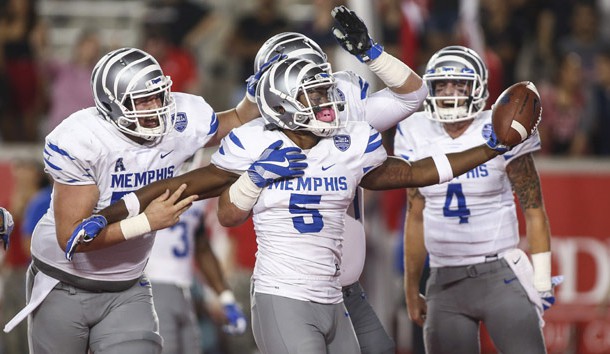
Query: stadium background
576 189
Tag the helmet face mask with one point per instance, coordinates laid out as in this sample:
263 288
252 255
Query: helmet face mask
123 78
297 94
293 45
463 68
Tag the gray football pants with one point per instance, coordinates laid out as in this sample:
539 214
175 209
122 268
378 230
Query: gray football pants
458 298
177 321
371 335
72 321
287 326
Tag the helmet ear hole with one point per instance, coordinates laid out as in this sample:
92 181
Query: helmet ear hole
279 109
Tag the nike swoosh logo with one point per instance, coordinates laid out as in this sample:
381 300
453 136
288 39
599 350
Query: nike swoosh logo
165 155
517 261
506 156
144 283
324 168
508 281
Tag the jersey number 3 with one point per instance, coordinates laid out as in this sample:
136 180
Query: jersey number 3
308 220
460 211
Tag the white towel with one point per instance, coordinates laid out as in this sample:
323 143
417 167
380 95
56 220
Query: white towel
521 266
43 284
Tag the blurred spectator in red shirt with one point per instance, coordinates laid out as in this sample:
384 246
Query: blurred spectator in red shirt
176 61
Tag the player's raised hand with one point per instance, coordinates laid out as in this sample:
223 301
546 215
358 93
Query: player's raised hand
253 80
165 210
86 231
352 34
276 163
7 226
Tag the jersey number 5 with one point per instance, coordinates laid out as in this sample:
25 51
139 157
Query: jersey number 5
309 220
462 212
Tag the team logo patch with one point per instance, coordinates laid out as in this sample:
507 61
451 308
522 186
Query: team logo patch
181 121
486 131
342 142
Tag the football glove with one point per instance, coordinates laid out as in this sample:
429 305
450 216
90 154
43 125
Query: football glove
235 317
548 297
275 163
86 231
253 80
353 36
494 144
7 226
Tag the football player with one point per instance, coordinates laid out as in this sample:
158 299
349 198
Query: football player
382 109
468 224
138 132
297 302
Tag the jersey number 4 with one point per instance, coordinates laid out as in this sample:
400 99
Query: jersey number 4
460 210
308 220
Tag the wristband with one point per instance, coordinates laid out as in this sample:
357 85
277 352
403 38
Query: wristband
542 271
132 204
136 226
445 172
390 70
226 297
243 193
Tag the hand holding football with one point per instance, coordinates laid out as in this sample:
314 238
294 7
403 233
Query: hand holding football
516 113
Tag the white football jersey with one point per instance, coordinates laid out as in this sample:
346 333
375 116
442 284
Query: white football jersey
299 222
381 109
171 259
474 214
85 149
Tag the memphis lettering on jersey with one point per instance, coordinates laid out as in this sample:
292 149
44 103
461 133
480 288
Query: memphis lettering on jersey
140 179
477 172
312 184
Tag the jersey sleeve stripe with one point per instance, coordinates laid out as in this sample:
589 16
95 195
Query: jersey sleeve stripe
374 143
236 140
364 86
56 148
213 124
52 166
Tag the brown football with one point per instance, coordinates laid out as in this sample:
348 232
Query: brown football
516 113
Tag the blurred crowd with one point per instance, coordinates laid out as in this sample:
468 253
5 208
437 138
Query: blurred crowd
207 47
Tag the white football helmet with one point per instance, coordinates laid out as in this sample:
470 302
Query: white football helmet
280 87
124 75
460 64
293 45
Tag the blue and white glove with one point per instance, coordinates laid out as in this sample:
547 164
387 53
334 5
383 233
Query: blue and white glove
7 226
86 231
352 34
548 297
253 80
275 163
237 323
494 144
